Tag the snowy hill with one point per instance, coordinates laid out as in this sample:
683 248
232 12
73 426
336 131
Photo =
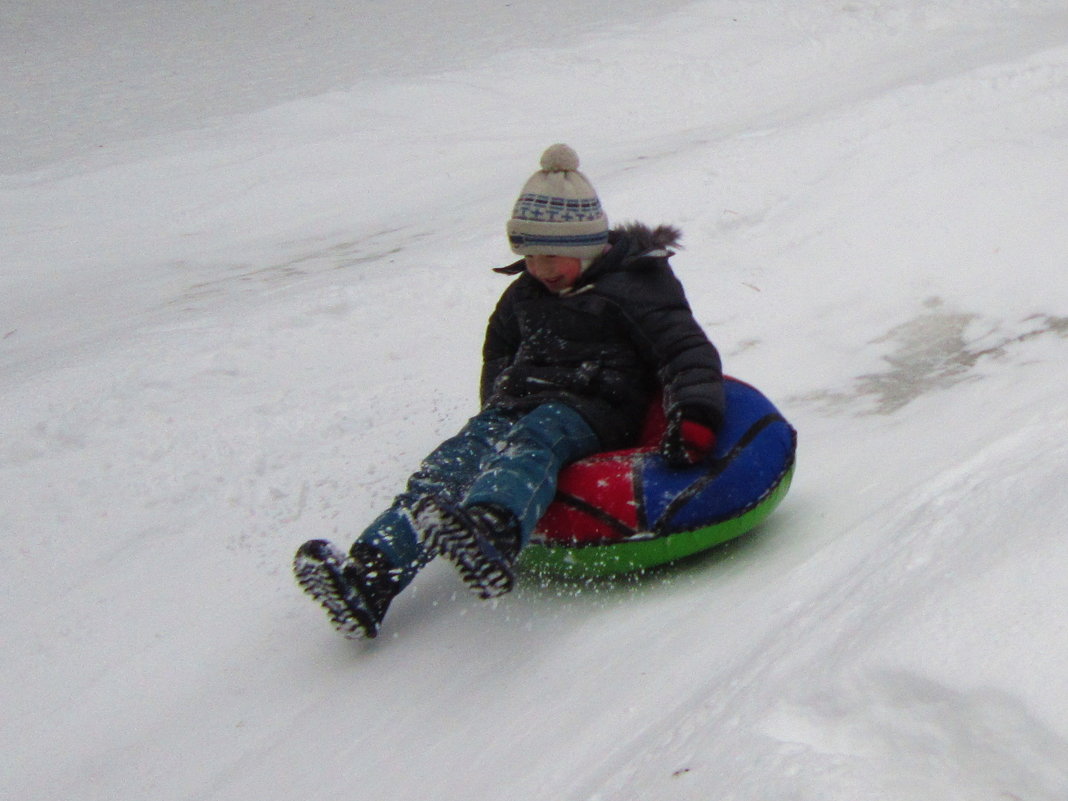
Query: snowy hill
243 283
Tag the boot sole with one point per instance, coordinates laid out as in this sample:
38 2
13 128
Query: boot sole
481 566
317 568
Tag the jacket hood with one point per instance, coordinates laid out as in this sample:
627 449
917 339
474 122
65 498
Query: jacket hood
633 246
637 241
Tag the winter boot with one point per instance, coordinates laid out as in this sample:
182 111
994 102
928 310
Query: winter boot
355 590
482 541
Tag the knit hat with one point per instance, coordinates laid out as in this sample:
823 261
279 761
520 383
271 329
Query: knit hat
558 213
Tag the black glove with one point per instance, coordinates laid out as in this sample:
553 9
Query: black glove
686 442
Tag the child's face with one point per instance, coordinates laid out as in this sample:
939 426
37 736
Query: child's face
556 273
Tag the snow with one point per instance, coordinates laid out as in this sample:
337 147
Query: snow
243 283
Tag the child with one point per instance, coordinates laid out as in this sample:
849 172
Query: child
593 327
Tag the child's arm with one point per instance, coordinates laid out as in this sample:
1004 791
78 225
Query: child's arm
686 362
499 347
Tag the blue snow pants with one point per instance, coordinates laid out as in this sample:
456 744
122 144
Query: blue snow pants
509 459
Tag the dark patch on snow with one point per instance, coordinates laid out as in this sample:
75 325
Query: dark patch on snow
933 351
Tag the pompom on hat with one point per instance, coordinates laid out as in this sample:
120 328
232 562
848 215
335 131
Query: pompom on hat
558 213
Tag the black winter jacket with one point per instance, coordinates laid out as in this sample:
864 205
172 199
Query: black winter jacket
607 345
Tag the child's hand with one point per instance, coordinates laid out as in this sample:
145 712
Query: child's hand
686 442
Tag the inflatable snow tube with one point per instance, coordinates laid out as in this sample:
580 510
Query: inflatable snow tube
628 510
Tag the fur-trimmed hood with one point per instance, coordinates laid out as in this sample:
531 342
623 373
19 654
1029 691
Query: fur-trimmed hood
634 242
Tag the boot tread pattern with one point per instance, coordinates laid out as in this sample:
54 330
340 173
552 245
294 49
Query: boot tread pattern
317 568
481 566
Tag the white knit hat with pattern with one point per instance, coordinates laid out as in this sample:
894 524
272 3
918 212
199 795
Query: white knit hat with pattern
558 213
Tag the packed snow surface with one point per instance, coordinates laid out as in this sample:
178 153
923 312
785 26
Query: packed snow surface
244 275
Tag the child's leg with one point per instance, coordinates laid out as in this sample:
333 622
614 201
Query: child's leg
447 472
521 476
